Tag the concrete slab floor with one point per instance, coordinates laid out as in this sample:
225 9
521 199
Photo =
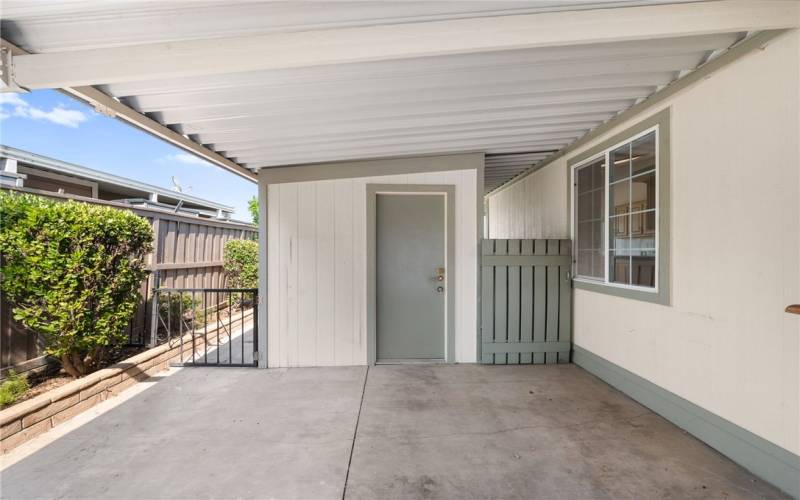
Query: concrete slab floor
423 431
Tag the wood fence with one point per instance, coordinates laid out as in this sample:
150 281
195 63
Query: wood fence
187 253
526 301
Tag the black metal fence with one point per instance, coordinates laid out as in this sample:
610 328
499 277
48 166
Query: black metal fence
212 326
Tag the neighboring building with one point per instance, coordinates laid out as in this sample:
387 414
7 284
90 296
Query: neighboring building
30 171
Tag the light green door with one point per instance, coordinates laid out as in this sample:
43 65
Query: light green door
410 276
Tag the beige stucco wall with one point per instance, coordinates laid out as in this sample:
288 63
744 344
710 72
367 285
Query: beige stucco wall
724 343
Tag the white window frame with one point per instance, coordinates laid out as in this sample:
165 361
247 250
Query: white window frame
605 155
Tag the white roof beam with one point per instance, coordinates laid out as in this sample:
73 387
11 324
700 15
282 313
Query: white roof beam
299 158
466 140
442 112
252 128
504 170
428 66
590 74
389 129
496 144
189 58
547 114
260 99
418 137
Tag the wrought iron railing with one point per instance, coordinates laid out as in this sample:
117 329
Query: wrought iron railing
212 326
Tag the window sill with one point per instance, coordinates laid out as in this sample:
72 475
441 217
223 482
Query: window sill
655 297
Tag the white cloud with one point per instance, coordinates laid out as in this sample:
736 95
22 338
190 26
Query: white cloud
186 158
12 99
59 115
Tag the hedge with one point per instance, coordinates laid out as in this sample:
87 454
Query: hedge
241 263
72 272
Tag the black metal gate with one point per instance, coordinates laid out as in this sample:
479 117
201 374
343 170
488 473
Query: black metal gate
212 326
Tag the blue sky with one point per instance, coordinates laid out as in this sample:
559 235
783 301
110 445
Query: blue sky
52 124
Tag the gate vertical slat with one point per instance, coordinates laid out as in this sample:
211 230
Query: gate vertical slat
230 328
487 304
526 302
553 278
539 300
565 301
500 301
512 358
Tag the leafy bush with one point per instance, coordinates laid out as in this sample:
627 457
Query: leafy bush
241 263
252 207
72 271
12 387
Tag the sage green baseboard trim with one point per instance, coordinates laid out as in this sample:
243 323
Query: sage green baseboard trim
525 347
772 463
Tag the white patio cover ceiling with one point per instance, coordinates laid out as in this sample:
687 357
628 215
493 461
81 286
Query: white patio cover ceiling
518 105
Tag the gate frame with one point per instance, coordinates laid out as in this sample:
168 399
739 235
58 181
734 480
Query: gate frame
156 318
554 345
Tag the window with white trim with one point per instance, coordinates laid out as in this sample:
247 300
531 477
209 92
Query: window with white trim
615 214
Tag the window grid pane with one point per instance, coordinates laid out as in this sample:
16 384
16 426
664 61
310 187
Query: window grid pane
630 210
590 220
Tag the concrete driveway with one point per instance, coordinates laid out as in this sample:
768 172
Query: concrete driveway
413 431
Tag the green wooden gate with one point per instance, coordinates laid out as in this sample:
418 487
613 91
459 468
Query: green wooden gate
526 301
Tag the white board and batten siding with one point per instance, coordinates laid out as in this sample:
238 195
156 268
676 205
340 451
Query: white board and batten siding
317 266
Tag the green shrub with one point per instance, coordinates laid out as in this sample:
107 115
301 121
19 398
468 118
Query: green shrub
12 387
174 308
72 271
252 207
241 263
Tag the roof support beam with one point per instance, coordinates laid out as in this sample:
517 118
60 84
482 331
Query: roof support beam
511 145
111 107
400 41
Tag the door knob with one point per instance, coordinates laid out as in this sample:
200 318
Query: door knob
440 278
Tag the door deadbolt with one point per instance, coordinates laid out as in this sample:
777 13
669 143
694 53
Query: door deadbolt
439 289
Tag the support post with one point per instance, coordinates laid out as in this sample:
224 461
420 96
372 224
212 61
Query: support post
154 309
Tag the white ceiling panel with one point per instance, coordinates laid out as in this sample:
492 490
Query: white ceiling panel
518 106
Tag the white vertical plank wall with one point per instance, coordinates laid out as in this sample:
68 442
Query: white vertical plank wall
317 303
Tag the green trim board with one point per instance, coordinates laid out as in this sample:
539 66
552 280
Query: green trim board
772 463
447 190
758 41
661 120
